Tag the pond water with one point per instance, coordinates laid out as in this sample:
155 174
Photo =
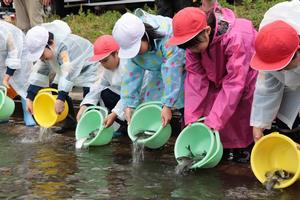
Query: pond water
35 166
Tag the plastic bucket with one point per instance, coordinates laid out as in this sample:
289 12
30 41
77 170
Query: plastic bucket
200 138
43 108
7 105
91 120
273 152
147 116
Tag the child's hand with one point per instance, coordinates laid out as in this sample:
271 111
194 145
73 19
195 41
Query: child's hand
5 81
7 2
257 133
109 120
128 112
29 106
59 106
81 110
166 115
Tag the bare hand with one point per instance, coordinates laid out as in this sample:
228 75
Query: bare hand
29 106
109 120
7 2
128 112
166 115
257 133
5 81
59 106
46 2
81 110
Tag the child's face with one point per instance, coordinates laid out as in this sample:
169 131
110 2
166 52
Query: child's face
144 47
47 54
201 46
111 62
295 61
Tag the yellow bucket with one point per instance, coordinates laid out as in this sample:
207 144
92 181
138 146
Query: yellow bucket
273 152
43 108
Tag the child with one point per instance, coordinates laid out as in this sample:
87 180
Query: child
57 50
108 87
15 66
219 84
142 38
277 93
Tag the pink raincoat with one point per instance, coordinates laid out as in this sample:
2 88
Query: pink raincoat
220 83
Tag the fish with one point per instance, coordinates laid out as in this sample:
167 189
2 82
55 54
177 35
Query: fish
93 134
185 164
276 177
80 143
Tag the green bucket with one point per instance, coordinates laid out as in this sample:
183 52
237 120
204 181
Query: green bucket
200 138
91 120
147 116
7 105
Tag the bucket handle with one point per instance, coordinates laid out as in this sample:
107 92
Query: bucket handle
48 90
4 89
104 110
201 119
217 137
148 103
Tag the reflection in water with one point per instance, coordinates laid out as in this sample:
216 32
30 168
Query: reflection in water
55 170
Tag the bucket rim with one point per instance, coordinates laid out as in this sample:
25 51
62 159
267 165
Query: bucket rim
101 127
3 91
291 143
143 141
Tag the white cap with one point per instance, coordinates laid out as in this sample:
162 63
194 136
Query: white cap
36 41
128 32
288 11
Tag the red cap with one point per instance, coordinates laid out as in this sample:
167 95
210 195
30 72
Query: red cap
275 45
103 47
187 23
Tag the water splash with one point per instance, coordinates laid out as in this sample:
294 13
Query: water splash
41 136
80 143
137 152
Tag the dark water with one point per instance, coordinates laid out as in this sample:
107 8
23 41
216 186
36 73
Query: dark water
52 169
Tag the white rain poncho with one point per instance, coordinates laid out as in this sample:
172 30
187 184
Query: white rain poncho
13 54
70 63
111 80
277 93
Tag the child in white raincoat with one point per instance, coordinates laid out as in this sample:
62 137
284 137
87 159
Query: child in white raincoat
277 93
67 55
15 67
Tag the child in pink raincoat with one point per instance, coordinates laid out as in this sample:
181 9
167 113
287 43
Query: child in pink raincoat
219 84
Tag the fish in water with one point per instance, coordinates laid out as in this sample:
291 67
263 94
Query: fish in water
276 177
186 162
144 134
80 143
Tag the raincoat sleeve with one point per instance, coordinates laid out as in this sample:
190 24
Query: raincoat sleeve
94 94
14 53
267 98
233 84
119 110
195 88
131 84
68 72
172 73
